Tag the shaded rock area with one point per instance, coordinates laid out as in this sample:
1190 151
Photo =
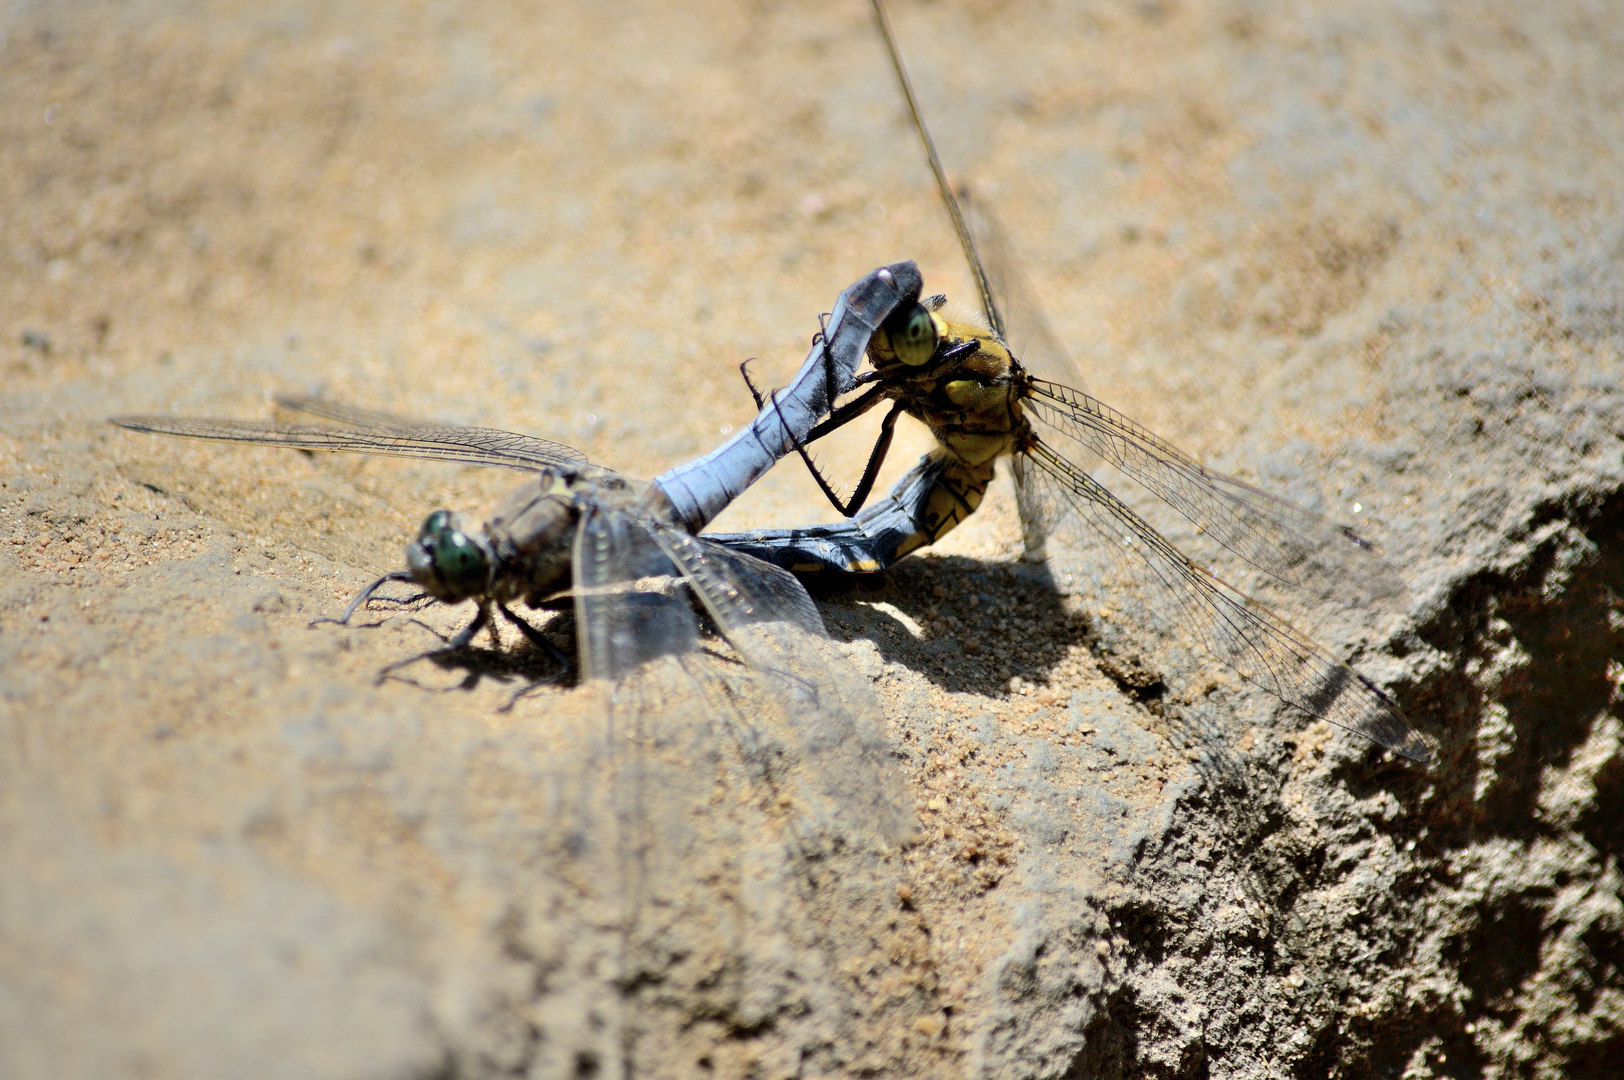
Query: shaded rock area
1369 255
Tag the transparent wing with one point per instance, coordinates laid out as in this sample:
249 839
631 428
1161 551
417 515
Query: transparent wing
1007 298
626 614
1112 549
1027 331
1283 540
831 720
642 836
362 431
1290 544
1279 538
706 813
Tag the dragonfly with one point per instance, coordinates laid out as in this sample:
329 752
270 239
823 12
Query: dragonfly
763 706
1004 386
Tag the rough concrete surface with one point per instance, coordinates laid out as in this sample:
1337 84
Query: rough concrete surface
1368 254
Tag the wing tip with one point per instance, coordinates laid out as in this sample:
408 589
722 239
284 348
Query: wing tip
1391 732
1412 747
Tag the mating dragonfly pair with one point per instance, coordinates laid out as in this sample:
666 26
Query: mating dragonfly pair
581 535
629 561
1004 387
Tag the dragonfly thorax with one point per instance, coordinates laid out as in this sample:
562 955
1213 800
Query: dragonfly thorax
523 550
531 533
973 405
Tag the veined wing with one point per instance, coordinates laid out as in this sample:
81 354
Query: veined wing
353 416
697 490
1008 301
361 431
1132 559
715 784
967 239
834 719
1027 332
635 811
1285 541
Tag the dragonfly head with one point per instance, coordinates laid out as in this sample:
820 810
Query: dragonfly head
448 563
908 337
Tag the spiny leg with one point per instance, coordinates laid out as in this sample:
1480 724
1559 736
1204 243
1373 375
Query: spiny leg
838 418
800 447
879 388
876 458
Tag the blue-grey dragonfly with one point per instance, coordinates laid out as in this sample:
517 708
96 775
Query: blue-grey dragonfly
701 748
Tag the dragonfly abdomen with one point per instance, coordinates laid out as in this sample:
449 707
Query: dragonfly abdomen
924 506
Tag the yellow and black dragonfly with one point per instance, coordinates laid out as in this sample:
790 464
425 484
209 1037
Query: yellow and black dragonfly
1005 387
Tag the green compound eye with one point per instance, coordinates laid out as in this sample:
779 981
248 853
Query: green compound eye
460 562
446 556
437 522
912 333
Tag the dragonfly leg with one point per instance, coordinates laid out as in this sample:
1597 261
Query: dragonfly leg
540 641
363 596
800 447
458 641
953 356
840 417
831 388
881 389
411 602
534 636
462 637
850 411
876 458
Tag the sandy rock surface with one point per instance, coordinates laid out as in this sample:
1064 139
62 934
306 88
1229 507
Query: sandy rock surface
1368 255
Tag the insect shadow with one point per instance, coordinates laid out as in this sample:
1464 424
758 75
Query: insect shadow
967 625
974 626
525 664
659 621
